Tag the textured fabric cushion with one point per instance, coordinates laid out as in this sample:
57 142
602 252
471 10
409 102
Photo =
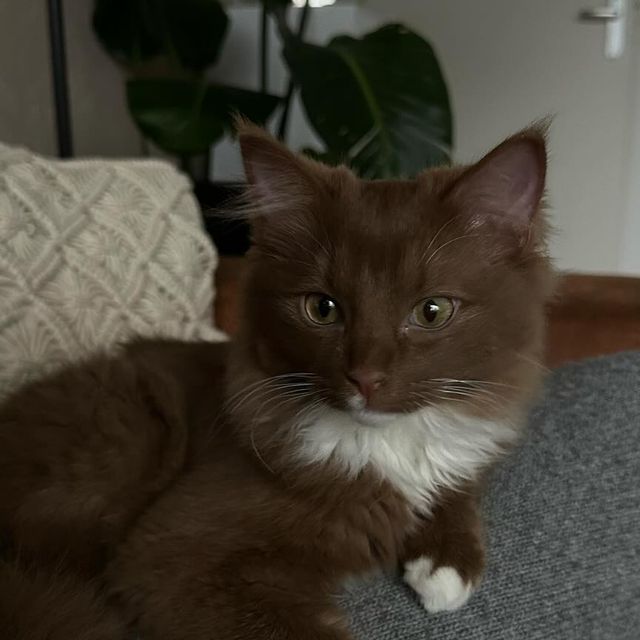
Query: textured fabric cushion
563 526
92 252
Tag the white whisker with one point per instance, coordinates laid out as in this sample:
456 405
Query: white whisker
446 244
532 361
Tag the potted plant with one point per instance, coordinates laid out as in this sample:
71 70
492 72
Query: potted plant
378 103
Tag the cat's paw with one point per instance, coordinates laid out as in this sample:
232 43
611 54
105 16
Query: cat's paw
439 590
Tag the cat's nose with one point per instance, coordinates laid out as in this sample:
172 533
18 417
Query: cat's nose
366 380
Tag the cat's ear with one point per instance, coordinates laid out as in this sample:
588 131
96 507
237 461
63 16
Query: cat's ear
278 179
505 188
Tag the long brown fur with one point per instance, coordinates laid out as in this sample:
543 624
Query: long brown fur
40 605
160 490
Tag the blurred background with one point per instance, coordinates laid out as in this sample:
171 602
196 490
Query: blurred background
460 76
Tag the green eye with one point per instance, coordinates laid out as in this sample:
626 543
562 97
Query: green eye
321 309
433 313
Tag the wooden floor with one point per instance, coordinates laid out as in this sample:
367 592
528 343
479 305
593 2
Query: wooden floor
591 315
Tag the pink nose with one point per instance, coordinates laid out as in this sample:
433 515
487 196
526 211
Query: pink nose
366 380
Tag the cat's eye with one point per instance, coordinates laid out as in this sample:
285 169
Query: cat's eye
321 309
433 313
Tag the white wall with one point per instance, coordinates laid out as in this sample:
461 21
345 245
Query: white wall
26 115
630 230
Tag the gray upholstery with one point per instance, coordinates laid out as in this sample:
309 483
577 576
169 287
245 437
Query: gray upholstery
563 519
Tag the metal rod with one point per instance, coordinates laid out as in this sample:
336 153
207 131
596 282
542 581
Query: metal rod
59 72
264 51
284 118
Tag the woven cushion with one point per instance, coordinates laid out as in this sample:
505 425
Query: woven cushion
93 252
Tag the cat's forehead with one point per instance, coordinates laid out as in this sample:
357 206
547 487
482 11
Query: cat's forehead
378 237
400 239
382 221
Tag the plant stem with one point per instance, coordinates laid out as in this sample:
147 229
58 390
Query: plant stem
264 51
284 31
144 147
210 164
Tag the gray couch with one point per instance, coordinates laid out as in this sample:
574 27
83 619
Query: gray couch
563 526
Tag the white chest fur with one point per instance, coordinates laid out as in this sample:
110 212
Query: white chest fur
418 453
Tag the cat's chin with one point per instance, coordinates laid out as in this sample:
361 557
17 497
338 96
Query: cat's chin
356 409
373 418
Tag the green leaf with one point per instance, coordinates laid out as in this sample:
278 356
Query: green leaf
326 157
274 5
186 117
127 30
380 102
188 32
197 29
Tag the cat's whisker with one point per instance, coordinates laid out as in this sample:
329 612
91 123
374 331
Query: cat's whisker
474 382
254 423
320 399
481 397
257 389
262 381
257 452
255 393
532 361
279 390
320 246
436 236
459 394
266 384
307 411
285 397
446 244
469 389
425 399
261 411
290 239
284 400
480 392
276 257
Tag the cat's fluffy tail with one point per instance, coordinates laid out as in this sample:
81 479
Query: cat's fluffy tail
35 605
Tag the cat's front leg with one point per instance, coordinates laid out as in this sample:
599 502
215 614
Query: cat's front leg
444 557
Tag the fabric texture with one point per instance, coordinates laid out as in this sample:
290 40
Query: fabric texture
93 252
563 516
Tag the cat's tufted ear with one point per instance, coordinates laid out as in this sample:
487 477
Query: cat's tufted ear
278 179
505 188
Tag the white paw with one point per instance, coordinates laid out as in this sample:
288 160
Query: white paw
439 590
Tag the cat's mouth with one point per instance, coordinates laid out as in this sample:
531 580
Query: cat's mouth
357 409
374 418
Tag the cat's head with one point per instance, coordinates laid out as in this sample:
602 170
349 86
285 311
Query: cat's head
379 298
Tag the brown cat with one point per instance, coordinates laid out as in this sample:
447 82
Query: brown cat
388 350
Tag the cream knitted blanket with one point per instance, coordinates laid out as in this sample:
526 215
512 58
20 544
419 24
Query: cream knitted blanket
93 252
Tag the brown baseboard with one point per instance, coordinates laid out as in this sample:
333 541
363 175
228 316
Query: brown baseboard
593 315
